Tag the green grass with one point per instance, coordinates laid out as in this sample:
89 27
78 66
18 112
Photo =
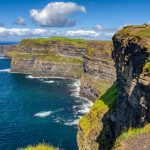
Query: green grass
129 134
102 105
146 68
62 40
51 57
39 147
58 58
138 30
16 54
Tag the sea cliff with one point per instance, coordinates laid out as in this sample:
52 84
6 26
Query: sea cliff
123 110
115 76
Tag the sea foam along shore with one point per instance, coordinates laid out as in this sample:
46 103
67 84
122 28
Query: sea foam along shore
79 110
5 70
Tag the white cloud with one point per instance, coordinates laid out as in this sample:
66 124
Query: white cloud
56 14
82 33
20 21
98 27
19 32
109 34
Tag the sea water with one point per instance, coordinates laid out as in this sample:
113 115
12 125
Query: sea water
37 110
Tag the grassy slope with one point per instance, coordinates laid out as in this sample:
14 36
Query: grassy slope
39 147
103 103
131 133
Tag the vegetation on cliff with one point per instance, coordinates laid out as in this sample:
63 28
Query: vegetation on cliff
51 57
100 50
61 40
39 147
130 134
146 68
104 103
138 30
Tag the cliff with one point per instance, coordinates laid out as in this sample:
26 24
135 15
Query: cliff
5 48
99 70
49 57
126 105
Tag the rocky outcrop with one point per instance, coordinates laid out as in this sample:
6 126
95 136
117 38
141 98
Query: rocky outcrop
132 108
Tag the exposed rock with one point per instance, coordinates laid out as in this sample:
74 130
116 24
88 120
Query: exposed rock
6 48
99 70
46 68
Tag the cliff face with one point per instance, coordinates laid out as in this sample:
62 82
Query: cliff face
59 57
131 109
6 48
99 75
99 70
64 57
62 46
46 68
132 54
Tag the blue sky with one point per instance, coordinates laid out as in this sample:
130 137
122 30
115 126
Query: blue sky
91 19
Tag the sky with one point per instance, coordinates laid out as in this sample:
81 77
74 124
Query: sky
88 19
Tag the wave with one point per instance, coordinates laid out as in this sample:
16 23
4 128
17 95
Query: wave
5 70
85 107
75 88
72 123
49 81
42 114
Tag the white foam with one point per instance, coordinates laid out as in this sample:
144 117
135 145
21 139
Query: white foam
49 81
42 114
75 88
85 107
71 123
5 70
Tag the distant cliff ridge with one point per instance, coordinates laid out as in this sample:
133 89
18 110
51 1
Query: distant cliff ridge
62 57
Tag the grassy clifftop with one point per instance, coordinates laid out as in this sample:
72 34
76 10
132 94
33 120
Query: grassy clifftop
138 30
48 41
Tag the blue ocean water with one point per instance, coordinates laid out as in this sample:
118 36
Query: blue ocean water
34 110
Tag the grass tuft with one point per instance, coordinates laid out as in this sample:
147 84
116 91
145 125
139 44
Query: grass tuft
40 146
130 133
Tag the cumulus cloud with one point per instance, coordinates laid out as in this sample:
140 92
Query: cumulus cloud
20 21
98 27
82 33
56 14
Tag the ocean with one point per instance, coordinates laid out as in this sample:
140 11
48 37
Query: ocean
37 110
